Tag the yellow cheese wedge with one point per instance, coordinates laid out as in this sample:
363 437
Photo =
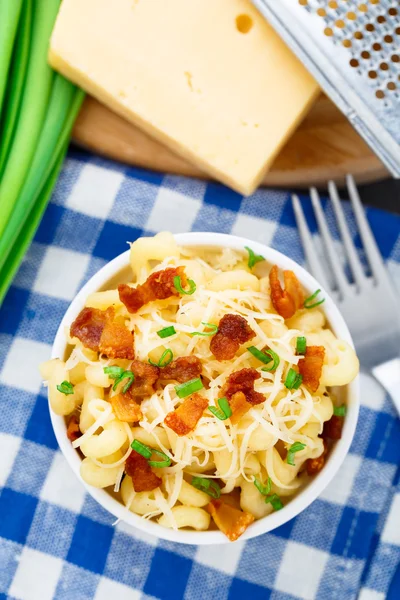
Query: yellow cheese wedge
209 78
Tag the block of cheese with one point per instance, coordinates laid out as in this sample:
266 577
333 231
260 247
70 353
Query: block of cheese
209 78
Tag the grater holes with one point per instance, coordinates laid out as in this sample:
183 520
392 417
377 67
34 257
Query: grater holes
368 31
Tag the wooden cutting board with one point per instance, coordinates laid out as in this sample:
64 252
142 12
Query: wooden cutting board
325 146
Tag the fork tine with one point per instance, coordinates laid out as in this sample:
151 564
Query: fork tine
354 261
339 276
308 245
370 246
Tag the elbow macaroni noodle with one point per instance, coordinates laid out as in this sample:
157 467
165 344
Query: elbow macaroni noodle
232 454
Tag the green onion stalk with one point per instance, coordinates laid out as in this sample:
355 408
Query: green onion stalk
10 11
16 81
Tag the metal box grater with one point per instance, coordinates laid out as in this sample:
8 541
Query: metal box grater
352 48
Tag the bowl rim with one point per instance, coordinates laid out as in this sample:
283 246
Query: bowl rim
299 502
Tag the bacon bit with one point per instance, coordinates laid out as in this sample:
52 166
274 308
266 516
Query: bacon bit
126 408
231 521
182 369
310 367
158 286
184 419
102 331
243 381
73 431
116 340
239 407
88 327
143 478
314 465
286 302
145 377
333 428
233 330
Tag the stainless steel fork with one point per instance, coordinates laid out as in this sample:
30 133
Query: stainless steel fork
369 304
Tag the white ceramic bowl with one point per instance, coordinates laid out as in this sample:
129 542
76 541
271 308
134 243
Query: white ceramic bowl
110 275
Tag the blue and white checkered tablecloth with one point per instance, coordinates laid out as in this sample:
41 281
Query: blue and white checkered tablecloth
56 542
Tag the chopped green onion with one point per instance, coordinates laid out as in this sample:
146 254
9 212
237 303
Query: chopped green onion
166 358
214 329
159 464
276 361
253 258
179 288
148 452
301 345
189 387
296 447
119 374
125 375
66 388
275 501
311 298
293 380
166 332
263 489
114 371
142 449
223 412
208 486
265 357
340 411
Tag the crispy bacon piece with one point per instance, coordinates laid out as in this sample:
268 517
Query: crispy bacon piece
239 407
126 408
243 381
143 478
233 330
310 367
314 465
102 331
182 369
333 428
145 378
184 419
286 302
73 431
159 286
230 520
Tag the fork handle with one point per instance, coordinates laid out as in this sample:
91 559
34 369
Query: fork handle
388 375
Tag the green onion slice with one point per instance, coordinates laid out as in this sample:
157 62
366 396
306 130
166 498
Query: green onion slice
308 302
113 372
148 452
253 258
223 412
263 489
166 358
209 486
66 388
296 447
142 449
293 380
275 501
166 332
340 411
179 288
159 464
265 357
301 345
189 387
124 375
214 329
